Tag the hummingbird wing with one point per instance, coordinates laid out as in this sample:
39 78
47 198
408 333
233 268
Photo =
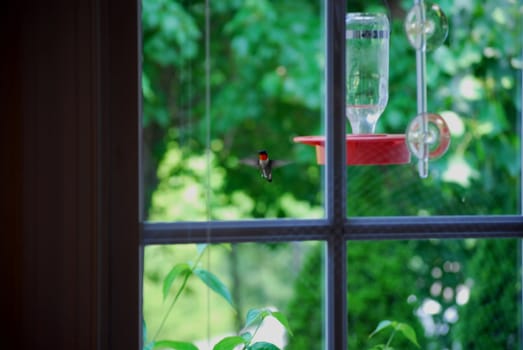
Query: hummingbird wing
279 163
250 161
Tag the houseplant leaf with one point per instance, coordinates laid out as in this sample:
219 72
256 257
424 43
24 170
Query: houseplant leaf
263 346
177 270
229 343
408 332
283 320
381 326
214 283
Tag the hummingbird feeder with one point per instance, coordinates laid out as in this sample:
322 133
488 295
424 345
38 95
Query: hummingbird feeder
367 67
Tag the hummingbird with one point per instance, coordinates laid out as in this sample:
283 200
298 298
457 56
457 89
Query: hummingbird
265 164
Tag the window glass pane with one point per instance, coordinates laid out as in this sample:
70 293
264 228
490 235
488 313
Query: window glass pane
219 85
273 278
454 294
474 83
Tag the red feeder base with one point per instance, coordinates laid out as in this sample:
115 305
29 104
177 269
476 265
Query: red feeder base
374 149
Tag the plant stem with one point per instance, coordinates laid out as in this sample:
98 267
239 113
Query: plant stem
178 293
390 339
253 335
182 287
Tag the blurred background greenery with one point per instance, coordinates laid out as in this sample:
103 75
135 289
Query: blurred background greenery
266 86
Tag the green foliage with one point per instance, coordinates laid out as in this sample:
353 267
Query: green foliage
230 342
307 317
473 83
255 318
398 279
379 288
396 327
181 272
266 86
214 283
264 91
257 274
491 318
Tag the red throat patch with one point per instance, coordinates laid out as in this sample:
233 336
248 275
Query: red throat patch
263 156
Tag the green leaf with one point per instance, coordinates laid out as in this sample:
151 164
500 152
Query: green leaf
229 343
283 320
255 316
381 347
214 283
226 246
176 345
263 346
177 270
408 332
247 336
381 326
252 317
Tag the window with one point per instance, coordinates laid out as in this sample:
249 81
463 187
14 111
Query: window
358 244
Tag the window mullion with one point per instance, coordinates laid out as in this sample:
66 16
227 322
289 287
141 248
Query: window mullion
235 231
440 227
335 174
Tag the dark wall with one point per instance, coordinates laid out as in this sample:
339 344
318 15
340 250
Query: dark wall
11 170
70 229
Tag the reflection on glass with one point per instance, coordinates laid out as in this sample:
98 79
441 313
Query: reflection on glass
203 294
256 85
475 85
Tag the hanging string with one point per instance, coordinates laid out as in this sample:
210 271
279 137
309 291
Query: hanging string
208 149
208 111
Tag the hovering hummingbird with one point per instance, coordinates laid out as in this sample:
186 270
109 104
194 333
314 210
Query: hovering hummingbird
265 164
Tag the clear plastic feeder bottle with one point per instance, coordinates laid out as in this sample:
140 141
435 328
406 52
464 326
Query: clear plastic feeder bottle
367 63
